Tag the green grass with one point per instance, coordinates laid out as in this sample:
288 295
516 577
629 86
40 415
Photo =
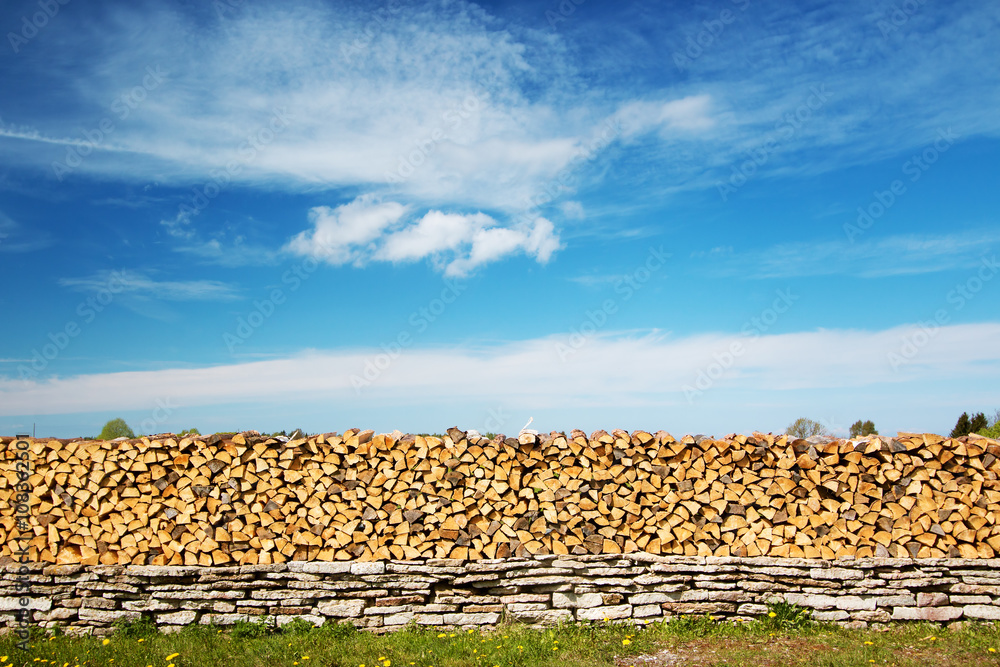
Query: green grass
786 638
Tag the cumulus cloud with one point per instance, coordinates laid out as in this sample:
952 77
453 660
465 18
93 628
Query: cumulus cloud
340 235
367 230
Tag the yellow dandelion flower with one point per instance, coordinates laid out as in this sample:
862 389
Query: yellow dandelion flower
441 634
3 658
771 615
555 648
142 639
106 642
387 663
626 642
992 650
869 643
295 663
171 656
452 634
305 657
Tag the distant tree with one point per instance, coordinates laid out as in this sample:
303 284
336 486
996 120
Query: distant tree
862 428
965 425
803 428
961 426
978 423
190 431
116 428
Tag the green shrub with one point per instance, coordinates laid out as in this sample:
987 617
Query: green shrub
116 428
262 627
339 629
784 616
140 627
190 431
297 626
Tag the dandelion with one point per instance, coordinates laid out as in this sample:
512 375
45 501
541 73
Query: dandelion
869 643
440 635
305 657
387 663
106 642
992 650
141 640
626 642
171 656
771 615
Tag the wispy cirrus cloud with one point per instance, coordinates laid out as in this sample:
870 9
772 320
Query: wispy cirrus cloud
138 284
903 254
609 377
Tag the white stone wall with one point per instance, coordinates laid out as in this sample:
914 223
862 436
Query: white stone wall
539 591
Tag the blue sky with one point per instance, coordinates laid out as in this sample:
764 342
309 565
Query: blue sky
705 218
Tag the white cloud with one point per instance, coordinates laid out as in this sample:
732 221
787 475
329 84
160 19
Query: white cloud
137 284
684 116
637 375
867 257
434 233
338 233
366 230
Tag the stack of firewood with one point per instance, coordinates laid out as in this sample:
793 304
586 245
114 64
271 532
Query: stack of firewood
250 499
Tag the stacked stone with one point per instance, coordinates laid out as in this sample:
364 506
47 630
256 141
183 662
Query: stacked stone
382 596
